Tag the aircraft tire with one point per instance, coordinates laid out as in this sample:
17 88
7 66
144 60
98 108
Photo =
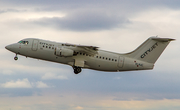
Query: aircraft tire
77 70
15 58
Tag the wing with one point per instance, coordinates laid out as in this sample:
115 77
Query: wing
90 50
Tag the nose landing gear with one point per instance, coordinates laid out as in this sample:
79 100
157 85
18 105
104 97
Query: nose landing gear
16 58
77 69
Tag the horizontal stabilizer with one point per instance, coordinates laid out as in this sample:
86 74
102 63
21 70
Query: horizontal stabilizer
162 39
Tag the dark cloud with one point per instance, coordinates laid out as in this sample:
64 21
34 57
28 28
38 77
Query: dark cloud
85 21
89 15
9 10
107 4
131 85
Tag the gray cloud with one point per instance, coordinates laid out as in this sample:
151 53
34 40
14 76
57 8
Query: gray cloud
16 92
122 5
85 21
9 10
89 15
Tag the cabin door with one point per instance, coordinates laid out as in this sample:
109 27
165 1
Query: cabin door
120 61
35 45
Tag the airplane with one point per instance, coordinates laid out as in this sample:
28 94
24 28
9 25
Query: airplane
91 57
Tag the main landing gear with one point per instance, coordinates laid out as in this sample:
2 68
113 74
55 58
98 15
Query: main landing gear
77 69
16 58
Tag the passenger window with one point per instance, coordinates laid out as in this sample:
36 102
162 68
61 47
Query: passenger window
46 46
52 47
43 45
112 59
115 60
49 47
106 58
103 57
96 56
100 57
109 58
80 53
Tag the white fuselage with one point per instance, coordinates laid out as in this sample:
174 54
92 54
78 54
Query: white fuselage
103 61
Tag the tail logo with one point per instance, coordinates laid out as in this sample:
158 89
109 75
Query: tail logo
149 50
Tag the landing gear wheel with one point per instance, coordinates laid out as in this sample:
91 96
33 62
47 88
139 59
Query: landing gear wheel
16 58
77 70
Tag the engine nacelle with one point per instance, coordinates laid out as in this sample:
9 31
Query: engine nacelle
63 52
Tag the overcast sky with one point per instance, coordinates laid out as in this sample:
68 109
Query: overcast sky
113 25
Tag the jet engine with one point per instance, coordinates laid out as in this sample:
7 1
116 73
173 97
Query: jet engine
63 52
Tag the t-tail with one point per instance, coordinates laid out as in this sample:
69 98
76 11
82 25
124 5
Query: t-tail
150 50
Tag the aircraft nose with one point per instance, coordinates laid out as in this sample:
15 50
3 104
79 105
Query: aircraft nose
13 48
8 47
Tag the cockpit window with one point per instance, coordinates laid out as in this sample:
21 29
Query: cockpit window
23 42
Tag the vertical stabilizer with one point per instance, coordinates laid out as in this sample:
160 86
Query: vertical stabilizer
150 50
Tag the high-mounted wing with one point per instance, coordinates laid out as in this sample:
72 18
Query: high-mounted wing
90 50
